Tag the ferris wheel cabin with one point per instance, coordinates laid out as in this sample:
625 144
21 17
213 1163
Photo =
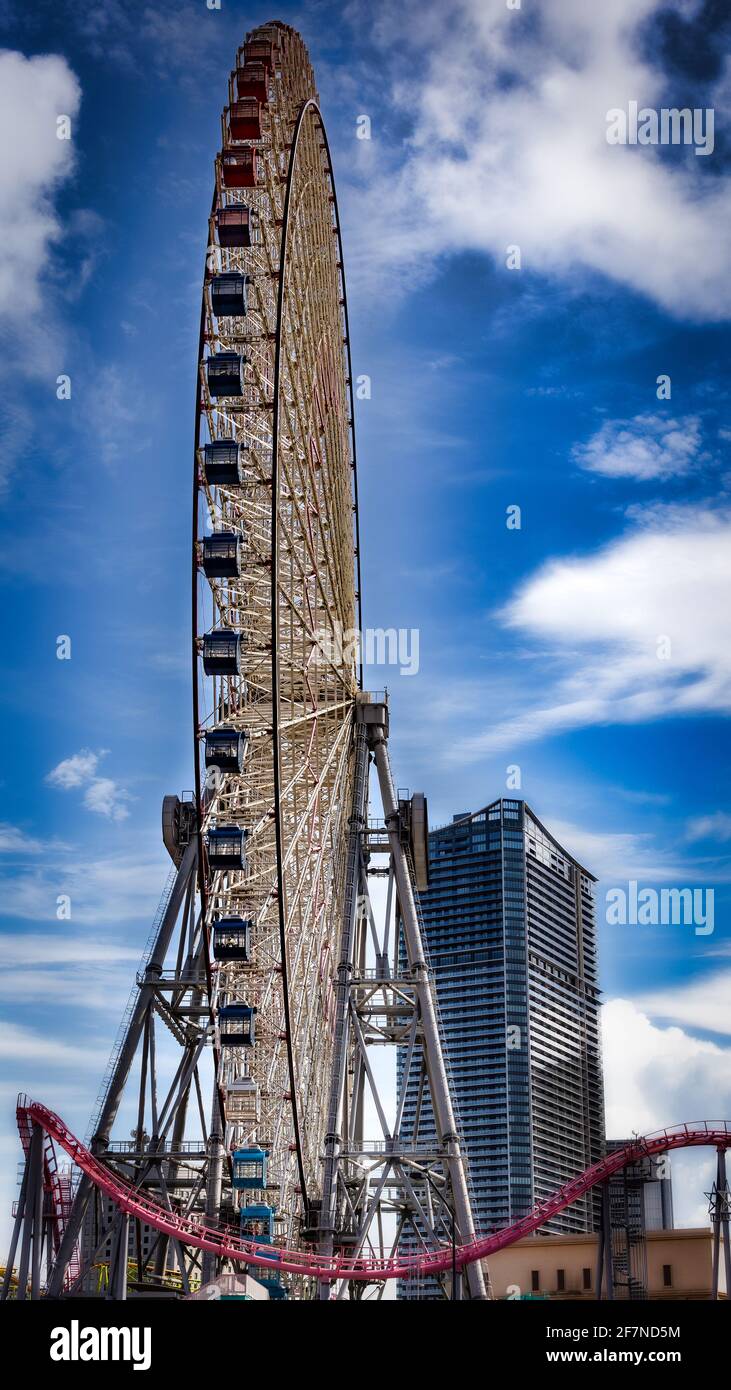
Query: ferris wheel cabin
226 845
240 168
252 80
236 1026
257 1223
232 939
233 226
221 555
249 1169
222 653
244 119
223 463
229 294
225 749
225 373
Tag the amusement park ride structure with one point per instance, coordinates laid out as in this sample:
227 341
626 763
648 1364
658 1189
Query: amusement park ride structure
266 964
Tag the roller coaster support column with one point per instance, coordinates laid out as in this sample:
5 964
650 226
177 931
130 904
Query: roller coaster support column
186 874
604 1264
441 1099
117 1289
720 1210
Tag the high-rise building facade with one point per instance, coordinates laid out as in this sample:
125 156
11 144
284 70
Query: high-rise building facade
510 928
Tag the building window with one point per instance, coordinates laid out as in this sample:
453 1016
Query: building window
586 1274
535 1280
561 1280
667 1276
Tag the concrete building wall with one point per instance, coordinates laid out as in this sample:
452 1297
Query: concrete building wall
685 1257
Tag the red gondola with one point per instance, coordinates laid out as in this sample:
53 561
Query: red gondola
240 168
244 119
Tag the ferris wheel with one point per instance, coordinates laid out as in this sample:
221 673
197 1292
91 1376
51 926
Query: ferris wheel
265 944
275 536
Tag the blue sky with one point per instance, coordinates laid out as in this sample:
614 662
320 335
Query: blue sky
490 388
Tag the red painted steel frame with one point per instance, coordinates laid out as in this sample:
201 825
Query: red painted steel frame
228 1243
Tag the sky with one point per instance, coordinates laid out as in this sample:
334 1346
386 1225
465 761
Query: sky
543 320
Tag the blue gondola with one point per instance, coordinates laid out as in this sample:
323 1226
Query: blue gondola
222 653
228 294
236 1025
223 463
274 1287
225 373
232 938
225 749
249 1168
226 846
257 1223
221 555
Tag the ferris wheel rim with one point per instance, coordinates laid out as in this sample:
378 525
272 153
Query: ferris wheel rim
309 105
308 108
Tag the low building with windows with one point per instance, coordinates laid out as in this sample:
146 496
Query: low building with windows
679 1266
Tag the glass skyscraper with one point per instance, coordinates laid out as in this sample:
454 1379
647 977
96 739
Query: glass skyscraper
510 928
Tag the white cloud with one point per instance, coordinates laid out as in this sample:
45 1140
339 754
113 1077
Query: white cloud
15 841
656 1077
33 93
650 446
715 827
508 146
116 889
703 1003
604 617
74 771
28 1047
102 795
38 948
617 856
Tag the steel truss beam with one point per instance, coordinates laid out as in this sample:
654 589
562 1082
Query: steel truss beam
180 998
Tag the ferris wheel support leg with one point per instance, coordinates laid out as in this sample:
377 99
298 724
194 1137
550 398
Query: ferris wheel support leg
186 875
209 1268
441 1098
17 1228
720 1213
31 1216
333 1136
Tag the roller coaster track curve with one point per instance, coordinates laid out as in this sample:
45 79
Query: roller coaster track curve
228 1244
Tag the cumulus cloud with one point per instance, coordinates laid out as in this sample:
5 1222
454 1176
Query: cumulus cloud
701 1003
656 1077
635 631
34 92
74 771
508 146
102 794
648 447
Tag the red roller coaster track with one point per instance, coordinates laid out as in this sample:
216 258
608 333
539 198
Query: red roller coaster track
227 1242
